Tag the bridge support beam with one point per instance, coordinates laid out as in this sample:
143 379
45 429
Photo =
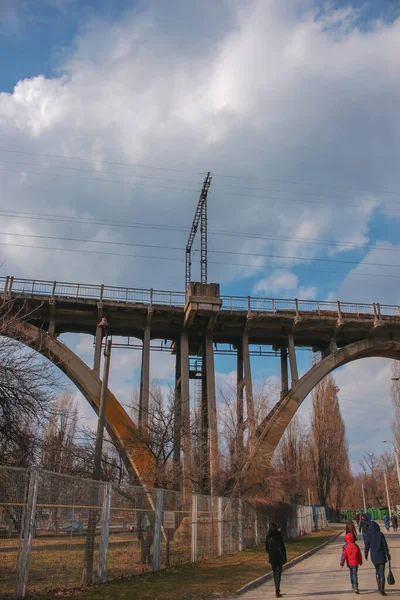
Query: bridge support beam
284 373
185 413
212 413
292 360
239 401
145 383
248 384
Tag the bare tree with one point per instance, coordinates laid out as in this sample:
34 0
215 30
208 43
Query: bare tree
293 459
160 437
235 445
58 444
27 388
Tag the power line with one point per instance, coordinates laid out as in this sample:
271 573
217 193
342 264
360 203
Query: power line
16 162
99 180
108 162
267 267
198 183
308 193
181 249
182 228
222 175
131 183
342 187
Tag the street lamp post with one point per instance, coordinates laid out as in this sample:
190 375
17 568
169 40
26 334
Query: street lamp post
387 495
396 457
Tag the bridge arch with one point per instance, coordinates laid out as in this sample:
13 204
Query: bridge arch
120 426
275 423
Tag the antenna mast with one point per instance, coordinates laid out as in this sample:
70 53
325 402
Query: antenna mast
199 217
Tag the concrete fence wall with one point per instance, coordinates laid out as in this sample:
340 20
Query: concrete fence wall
53 526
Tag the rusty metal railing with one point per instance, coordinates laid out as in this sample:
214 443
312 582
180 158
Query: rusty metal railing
61 289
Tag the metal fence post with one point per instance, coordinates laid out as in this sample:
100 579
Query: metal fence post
157 529
194 527
240 524
220 529
105 530
29 528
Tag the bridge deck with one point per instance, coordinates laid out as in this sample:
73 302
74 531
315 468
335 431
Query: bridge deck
313 323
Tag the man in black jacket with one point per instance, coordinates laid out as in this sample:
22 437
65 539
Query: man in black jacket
276 550
363 527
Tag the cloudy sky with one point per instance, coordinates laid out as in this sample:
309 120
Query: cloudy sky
112 112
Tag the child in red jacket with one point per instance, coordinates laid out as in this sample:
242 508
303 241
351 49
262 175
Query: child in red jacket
351 555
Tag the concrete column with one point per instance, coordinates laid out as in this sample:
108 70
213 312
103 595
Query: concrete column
185 411
248 384
145 383
52 320
239 400
204 442
292 360
97 351
284 373
212 413
177 416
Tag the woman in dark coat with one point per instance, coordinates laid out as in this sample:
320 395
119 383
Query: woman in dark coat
376 544
276 550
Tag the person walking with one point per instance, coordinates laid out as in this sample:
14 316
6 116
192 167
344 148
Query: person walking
363 528
387 522
275 547
351 555
395 522
350 528
376 544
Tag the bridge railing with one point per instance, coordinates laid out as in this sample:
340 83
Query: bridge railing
150 297
94 292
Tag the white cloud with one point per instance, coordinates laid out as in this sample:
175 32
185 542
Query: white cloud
307 292
136 97
270 90
277 282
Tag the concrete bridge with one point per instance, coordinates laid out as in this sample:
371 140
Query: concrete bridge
194 323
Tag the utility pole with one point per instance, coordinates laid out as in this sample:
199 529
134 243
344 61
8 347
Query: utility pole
87 577
387 495
396 457
363 494
102 413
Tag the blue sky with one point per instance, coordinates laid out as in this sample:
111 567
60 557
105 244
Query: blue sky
115 110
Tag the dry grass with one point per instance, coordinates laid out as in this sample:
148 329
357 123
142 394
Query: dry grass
214 578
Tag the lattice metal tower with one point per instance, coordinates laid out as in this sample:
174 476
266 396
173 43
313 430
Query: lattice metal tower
199 217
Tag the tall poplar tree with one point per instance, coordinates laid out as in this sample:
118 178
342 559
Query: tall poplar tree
330 455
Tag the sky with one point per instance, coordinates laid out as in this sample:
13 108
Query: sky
114 111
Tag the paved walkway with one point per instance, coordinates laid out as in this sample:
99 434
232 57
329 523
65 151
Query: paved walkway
321 575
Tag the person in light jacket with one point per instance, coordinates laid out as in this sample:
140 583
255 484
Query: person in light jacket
276 550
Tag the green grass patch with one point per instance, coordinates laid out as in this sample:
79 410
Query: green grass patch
214 578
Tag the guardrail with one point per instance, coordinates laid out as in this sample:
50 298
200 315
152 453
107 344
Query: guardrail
38 287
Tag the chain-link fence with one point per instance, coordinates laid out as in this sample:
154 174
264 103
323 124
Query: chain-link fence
58 532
